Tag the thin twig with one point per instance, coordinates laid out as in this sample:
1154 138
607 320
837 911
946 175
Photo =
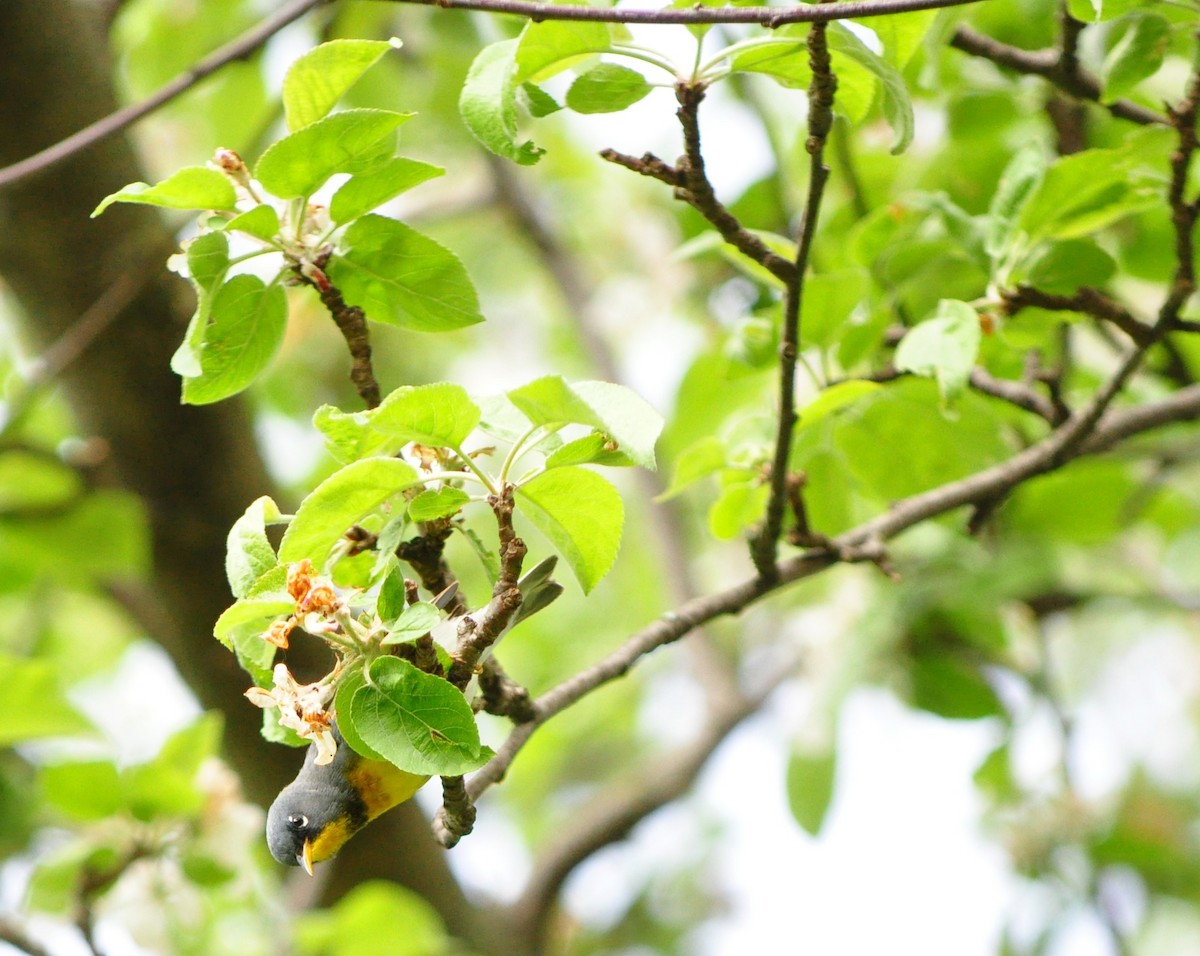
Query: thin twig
766 16
238 49
1086 300
764 547
15 936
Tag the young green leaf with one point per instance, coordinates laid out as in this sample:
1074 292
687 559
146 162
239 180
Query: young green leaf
89 790
341 500
1021 177
349 435
419 722
368 190
349 142
316 81
442 503
342 702
262 222
700 459
207 262
901 34
617 411
549 47
833 399
897 106
193 187
1136 56
37 706
441 414
594 449
1062 266
248 553
810 780
739 506
488 103
828 300
581 514
245 328
943 347
608 88
399 276
414 621
241 627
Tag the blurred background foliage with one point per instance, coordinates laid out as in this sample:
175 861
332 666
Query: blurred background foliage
1064 631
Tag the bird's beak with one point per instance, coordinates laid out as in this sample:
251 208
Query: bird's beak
304 857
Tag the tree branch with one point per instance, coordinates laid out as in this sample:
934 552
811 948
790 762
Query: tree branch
764 546
114 122
1063 71
766 16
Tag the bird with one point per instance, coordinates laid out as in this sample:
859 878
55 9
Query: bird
315 814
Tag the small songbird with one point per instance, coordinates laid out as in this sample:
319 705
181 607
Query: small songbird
315 814
321 809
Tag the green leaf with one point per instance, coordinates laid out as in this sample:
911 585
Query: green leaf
349 435
441 414
944 347
833 399
537 101
244 332
1062 266
399 276
488 103
700 459
342 703
207 262
241 626
248 553
828 300
261 222
581 514
419 722
810 785
1022 175
897 107
31 480
551 46
1085 191
349 142
1136 56
952 688
84 791
617 411
316 81
901 34
414 621
366 191
193 187
443 503
367 914
739 506
340 501
594 449
607 88
37 705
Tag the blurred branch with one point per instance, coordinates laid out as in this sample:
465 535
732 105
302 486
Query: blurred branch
15 936
114 122
617 811
1086 300
770 17
1059 67
764 547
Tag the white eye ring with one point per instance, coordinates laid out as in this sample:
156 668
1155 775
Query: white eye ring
297 821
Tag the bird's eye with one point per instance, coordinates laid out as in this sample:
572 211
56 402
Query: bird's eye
297 821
